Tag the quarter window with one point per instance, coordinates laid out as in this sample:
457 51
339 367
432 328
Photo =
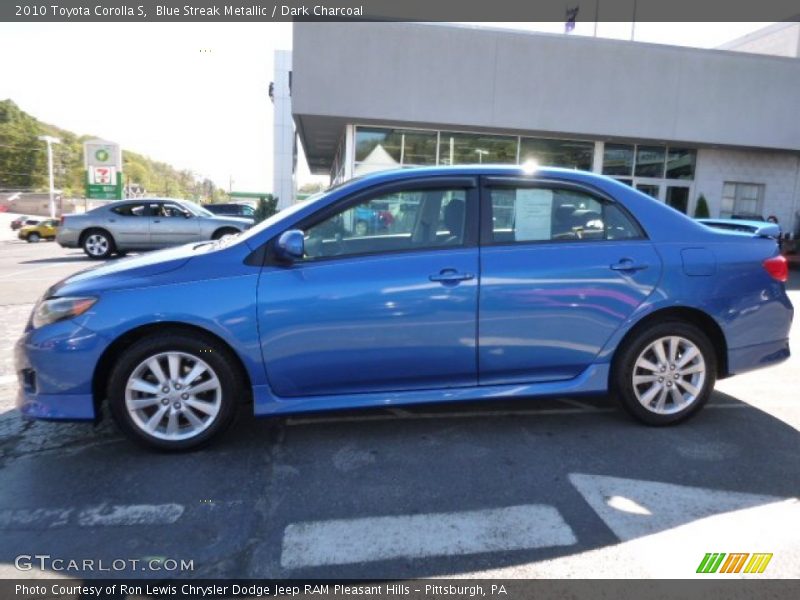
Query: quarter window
534 214
409 220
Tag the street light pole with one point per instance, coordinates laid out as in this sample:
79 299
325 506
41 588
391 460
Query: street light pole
50 140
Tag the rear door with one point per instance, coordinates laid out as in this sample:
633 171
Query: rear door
129 223
561 269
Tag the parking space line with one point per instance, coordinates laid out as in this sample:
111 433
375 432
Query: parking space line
94 516
349 541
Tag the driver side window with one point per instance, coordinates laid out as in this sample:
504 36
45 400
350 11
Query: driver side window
409 220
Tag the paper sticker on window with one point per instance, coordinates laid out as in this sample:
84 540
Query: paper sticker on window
533 215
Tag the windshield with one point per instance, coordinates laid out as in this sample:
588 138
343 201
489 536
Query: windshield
197 209
286 212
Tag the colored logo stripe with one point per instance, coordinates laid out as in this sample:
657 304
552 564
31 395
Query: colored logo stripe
711 562
734 562
758 563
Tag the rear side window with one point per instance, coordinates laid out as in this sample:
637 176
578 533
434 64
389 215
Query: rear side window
539 214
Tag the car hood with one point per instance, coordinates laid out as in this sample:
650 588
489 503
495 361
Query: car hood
127 272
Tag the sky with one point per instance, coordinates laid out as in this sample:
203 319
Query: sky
194 95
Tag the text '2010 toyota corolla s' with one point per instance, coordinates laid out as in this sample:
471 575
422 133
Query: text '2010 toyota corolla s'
413 286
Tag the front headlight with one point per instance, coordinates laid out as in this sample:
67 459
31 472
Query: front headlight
57 309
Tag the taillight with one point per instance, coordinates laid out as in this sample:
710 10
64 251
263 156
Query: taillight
777 267
61 221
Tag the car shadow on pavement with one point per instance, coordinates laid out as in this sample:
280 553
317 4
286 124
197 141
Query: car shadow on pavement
60 259
306 496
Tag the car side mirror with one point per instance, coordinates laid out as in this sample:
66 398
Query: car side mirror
291 245
187 215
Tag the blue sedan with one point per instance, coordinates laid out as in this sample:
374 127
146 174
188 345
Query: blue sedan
485 283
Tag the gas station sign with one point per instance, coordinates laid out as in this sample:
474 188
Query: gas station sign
103 164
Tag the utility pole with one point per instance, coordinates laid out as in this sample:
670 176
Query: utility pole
633 23
50 140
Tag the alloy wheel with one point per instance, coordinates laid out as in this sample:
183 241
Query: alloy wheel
669 375
96 244
173 396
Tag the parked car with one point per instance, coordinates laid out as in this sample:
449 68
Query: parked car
143 224
44 230
231 209
589 287
23 220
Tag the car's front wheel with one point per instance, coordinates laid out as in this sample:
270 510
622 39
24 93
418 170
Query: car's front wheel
665 373
33 238
175 391
224 232
98 244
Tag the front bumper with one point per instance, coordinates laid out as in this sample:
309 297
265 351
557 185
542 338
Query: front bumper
55 366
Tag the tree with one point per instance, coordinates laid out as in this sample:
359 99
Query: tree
701 210
266 207
312 188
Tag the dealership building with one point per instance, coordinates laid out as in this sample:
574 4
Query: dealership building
674 122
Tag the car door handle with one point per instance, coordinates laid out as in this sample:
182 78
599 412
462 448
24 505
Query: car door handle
156 220
626 264
451 276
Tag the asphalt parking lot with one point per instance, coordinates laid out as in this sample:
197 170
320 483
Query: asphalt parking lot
567 487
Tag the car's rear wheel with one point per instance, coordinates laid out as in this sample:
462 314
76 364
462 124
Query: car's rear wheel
665 373
33 238
174 391
98 244
225 231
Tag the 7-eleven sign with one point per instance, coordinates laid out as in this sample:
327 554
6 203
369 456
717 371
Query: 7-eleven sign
103 175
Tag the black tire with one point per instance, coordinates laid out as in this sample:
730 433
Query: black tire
624 369
98 244
33 238
224 231
216 356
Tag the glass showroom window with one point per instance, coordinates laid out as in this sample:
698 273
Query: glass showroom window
680 163
618 159
569 154
378 149
650 161
742 199
472 148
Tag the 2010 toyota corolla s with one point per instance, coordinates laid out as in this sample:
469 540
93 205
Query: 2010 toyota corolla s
475 283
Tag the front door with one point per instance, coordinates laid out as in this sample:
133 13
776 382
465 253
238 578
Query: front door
172 225
561 270
384 300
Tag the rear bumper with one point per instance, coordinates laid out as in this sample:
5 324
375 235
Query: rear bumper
67 238
757 356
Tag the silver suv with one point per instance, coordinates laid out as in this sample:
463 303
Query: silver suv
143 224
